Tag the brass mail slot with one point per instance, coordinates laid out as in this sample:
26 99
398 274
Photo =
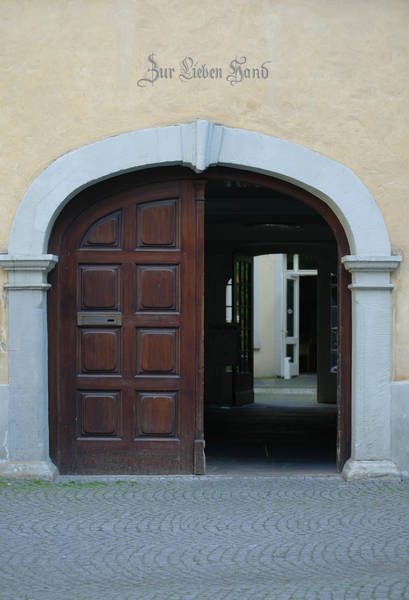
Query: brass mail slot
108 319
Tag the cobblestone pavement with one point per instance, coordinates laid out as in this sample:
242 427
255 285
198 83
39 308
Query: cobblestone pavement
216 538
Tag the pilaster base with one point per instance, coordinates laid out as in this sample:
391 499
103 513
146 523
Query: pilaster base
43 470
368 469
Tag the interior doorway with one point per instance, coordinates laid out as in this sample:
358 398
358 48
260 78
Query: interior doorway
308 325
285 314
260 423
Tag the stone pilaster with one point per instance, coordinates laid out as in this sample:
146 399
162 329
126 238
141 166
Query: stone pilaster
371 452
28 449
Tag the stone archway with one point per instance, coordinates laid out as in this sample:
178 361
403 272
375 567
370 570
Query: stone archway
198 145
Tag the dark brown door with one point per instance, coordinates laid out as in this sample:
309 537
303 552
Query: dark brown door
126 303
243 319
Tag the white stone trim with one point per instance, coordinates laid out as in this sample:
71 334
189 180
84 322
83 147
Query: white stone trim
201 144
369 469
4 406
27 426
371 452
400 425
371 264
44 470
371 272
42 264
197 145
27 272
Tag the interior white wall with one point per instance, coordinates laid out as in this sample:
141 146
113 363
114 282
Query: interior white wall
264 355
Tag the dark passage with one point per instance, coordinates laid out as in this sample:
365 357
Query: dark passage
270 425
280 432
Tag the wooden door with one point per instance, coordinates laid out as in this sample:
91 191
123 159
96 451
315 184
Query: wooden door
125 334
243 392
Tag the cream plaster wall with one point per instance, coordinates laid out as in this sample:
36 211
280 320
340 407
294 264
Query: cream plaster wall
263 358
338 84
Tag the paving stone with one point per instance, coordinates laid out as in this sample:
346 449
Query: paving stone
197 538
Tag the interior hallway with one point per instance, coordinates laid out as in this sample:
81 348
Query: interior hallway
285 431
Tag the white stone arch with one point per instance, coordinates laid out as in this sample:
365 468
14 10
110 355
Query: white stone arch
197 145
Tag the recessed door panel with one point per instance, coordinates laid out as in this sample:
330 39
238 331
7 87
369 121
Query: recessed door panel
100 351
157 288
156 414
157 352
105 233
99 287
99 414
157 224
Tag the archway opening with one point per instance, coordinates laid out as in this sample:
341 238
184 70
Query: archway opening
290 413
131 248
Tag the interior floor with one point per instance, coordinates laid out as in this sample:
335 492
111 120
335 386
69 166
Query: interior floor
285 431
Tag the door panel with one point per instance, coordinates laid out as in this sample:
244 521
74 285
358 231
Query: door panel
243 392
105 233
100 414
100 351
157 352
126 301
158 225
99 287
157 287
157 414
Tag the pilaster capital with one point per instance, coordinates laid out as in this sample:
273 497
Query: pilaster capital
370 264
371 273
21 262
27 272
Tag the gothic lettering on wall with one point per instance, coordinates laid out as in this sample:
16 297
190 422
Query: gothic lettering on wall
236 71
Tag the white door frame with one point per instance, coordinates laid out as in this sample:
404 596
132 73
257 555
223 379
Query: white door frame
197 145
291 368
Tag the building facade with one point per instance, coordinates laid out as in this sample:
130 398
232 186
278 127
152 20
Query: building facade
201 119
